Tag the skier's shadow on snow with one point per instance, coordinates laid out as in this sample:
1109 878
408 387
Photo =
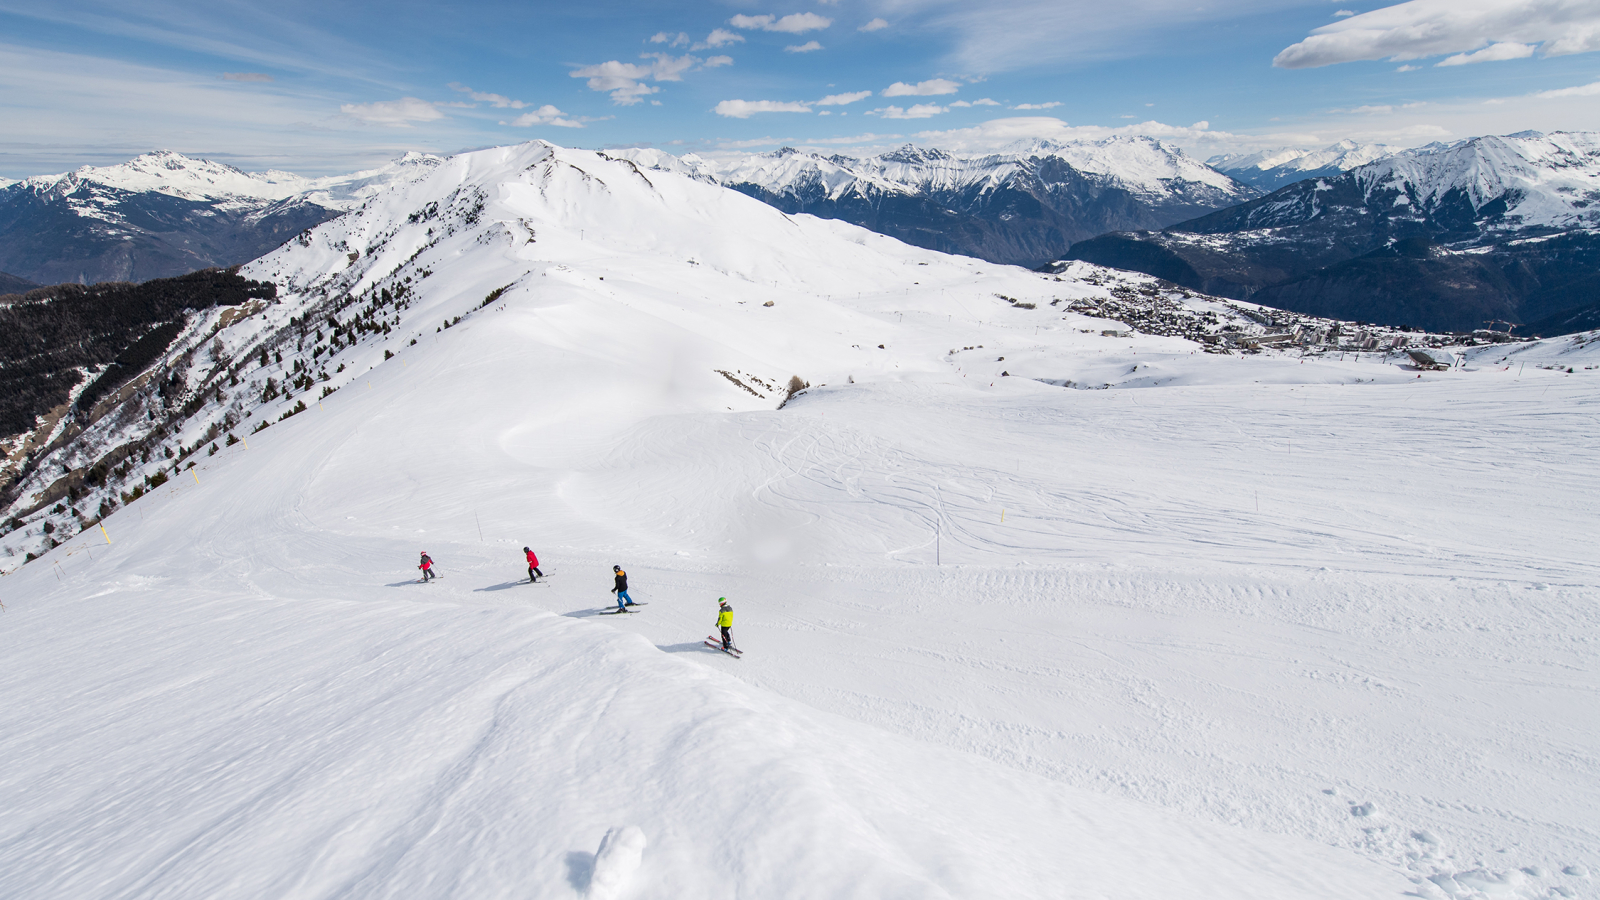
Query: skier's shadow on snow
585 613
580 870
695 647
498 587
403 583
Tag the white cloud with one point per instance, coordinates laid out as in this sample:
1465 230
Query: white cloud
625 81
798 23
744 109
875 25
927 88
717 61
1051 105
807 47
984 102
544 115
394 113
919 111
671 40
1491 53
246 76
1586 90
1422 28
719 37
498 101
1408 68
1344 13
842 99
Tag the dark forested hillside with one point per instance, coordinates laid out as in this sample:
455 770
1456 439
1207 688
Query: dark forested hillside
11 284
46 236
48 336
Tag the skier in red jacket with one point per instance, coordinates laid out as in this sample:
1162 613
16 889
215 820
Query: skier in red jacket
533 566
427 568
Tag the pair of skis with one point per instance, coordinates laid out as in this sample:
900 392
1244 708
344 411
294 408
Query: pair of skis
621 609
715 643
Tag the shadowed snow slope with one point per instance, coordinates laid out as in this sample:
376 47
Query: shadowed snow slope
1241 634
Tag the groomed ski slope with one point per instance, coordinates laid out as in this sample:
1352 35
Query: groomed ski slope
1263 628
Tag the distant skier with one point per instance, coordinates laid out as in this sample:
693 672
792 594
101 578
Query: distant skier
621 590
725 621
533 566
426 567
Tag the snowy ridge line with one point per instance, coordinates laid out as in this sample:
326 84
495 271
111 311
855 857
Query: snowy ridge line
1142 165
174 174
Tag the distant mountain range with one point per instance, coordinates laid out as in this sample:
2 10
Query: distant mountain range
1024 205
164 214
1272 169
1445 237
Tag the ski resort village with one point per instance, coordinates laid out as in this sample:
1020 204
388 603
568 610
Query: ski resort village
855 451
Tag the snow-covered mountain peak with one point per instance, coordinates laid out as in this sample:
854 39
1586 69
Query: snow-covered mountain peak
1274 168
911 154
167 172
1531 179
190 178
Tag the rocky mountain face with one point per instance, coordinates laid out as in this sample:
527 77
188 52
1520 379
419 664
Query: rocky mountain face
163 214
1272 169
1023 206
1492 231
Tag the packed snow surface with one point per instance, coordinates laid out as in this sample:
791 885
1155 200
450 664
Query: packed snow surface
1236 627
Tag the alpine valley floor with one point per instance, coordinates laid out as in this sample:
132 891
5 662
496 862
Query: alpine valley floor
1232 628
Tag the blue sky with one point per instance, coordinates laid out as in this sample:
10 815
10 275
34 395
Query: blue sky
318 88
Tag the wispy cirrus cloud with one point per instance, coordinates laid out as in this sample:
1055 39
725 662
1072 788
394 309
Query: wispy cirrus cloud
984 101
246 76
719 37
931 87
1051 105
842 99
807 47
919 111
798 23
743 109
402 113
1473 30
496 100
875 25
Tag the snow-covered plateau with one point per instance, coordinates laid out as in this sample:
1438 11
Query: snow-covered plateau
1271 625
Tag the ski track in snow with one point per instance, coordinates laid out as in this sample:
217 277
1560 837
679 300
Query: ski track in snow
1262 631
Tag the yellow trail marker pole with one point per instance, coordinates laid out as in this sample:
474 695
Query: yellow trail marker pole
1002 517
197 480
103 534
